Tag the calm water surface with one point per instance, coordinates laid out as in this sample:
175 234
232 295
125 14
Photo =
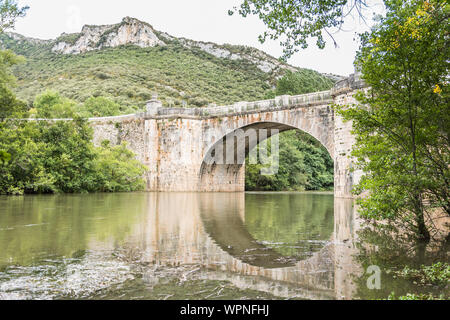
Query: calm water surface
177 246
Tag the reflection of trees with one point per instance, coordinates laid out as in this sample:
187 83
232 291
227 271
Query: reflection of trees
292 220
392 252
63 225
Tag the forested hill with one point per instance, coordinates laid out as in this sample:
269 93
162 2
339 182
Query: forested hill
130 61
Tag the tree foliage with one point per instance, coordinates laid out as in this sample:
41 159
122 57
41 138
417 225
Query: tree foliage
296 21
9 104
130 75
294 83
402 135
51 105
9 12
304 165
59 157
100 107
118 170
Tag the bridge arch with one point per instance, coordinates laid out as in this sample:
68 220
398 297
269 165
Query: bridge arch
223 166
174 142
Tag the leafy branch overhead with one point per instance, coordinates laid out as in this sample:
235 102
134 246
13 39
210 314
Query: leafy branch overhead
294 22
9 12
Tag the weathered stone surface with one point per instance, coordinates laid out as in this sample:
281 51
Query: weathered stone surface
130 31
175 142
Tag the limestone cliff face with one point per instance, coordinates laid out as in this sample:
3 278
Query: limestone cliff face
262 60
129 31
135 32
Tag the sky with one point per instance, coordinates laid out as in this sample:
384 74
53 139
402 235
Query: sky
201 20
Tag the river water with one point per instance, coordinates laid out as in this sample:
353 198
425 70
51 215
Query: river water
177 246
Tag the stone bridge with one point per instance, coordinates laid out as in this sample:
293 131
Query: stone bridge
176 144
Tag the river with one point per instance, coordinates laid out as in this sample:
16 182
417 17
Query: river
178 246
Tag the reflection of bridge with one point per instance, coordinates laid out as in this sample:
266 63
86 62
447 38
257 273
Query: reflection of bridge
174 142
186 228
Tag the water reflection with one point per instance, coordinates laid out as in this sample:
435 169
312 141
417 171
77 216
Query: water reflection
164 245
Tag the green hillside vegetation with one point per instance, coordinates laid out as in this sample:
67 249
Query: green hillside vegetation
129 75
52 105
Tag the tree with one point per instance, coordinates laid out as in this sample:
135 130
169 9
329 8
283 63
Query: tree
304 165
295 21
4 157
9 12
51 105
294 83
9 105
117 169
402 135
59 156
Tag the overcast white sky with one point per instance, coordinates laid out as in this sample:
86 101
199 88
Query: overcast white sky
203 20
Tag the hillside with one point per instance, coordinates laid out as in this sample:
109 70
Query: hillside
130 61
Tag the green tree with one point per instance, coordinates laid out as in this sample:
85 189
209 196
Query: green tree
4 157
100 107
118 170
51 105
294 83
304 165
296 21
9 105
402 135
25 171
54 157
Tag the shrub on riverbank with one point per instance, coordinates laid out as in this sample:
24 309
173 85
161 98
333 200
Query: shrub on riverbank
435 275
59 157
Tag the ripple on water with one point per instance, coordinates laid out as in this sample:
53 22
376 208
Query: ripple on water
72 278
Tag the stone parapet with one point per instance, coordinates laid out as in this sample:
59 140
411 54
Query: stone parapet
242 108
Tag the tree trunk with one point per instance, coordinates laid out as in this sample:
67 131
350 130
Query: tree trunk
423 233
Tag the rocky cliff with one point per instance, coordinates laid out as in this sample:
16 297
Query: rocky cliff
135 32
129 31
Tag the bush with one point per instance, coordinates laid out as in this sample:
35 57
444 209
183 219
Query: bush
118 170
51 105
99 107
